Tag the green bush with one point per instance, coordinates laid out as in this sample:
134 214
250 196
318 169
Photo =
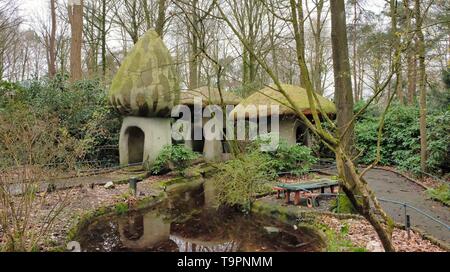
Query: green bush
176 157
296 159
240 180
400 145
441 193
82 109
439 142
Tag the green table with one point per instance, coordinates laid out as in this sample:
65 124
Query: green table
305 189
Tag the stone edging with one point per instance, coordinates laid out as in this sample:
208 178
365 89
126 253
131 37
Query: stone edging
403 175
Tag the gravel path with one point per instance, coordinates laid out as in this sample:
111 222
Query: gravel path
390 186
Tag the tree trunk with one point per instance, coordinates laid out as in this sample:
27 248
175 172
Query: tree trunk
301 26
103 38
76 22
397 50
352 184
318 45
410 56
52 44
194 69
148 20
342 80
161 18
422 88
354 38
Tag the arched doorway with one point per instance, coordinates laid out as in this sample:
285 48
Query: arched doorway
136 138
301 135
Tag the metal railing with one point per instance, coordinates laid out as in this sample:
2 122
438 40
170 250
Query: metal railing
402 204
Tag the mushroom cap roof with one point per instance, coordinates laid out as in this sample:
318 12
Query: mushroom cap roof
146 83
209 96
271 96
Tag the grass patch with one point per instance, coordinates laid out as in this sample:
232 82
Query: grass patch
441 193
121 208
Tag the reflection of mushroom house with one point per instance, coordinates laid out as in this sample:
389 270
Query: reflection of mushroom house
151 230
147 231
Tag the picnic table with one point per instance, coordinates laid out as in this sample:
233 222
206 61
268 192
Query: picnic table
305 190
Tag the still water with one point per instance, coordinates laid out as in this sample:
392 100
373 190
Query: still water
186 222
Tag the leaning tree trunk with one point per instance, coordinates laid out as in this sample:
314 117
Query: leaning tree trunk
352 183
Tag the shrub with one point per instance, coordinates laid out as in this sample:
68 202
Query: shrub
439 142
176 157
400 145
82 109
240 180
32 151
295 159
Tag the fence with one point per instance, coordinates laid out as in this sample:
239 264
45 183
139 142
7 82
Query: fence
407 218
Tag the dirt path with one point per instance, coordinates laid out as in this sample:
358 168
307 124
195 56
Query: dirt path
68 183
391 186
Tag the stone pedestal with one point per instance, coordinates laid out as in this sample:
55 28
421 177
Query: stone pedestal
142 138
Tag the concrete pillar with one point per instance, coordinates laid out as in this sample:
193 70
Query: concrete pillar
157 134
288 131
212 149
189 144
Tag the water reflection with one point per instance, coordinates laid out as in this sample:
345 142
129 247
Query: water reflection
143 231
188 245
187 223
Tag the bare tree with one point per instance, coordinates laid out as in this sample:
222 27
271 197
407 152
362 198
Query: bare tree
9 30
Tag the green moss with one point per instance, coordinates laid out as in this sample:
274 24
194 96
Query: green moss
342 205
146 83
270 96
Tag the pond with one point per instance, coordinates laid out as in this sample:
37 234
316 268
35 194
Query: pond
186 222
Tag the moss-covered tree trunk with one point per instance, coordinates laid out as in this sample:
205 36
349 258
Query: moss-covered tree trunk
352 183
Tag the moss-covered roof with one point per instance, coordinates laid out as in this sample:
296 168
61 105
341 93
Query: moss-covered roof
210 96
146 83
270 96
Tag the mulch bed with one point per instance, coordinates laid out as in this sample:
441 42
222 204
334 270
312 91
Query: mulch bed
362 234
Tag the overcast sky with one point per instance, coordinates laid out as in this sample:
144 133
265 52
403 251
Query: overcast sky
32 8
